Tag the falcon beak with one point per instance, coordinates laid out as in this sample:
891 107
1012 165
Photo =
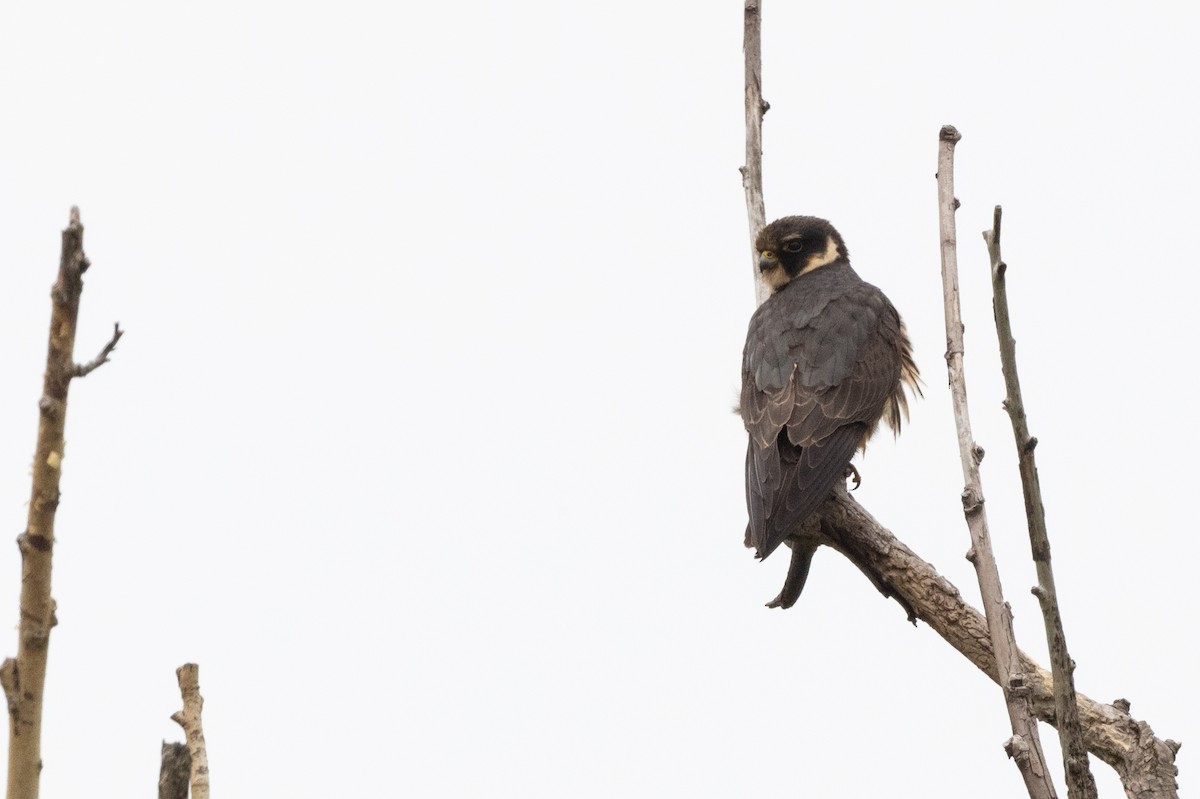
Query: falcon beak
767 261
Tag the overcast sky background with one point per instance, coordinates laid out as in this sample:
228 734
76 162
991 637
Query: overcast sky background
420 443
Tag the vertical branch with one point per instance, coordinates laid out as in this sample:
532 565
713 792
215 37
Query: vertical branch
1080 784
189 719
1024 746
25 678
756 107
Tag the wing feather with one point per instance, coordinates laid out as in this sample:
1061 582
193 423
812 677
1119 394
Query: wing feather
825 359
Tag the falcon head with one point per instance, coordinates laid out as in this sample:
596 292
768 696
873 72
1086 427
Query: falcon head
794 245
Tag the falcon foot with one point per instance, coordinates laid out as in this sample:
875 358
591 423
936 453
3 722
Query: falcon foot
852 474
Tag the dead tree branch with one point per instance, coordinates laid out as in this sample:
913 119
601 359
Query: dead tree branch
1080 783
193 729
1145 763
1024 747
756 107
24 678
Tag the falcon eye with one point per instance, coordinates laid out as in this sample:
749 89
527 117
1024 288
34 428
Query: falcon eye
794 246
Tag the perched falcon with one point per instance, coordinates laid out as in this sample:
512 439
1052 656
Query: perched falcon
826 359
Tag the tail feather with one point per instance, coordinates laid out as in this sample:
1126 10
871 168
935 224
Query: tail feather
785 483
797 576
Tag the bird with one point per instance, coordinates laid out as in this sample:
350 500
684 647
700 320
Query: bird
827 358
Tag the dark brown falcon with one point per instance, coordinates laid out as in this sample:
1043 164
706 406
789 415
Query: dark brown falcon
826 360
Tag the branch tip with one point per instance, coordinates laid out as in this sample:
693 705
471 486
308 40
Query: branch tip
190 719
1030 759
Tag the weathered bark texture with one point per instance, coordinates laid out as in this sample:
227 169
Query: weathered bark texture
193 729
24 678
1145 763
1080 783
756 107
1024 747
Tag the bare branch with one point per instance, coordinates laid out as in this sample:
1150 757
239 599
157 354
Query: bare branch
1025 742
1145 763
24 684
189 719
756 107
84 369
1080 783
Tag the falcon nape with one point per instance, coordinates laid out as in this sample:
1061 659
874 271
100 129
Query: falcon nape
826 359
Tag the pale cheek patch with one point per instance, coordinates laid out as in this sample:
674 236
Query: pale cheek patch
775 278
829 256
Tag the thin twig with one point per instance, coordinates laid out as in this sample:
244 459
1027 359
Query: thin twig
193 729
1024 746
756 107
1080 783
1144 762
84 369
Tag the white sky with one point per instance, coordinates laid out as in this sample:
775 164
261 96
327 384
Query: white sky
420 441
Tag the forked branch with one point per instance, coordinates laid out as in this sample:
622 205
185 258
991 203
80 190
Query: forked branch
24 678
1144 762
1024 747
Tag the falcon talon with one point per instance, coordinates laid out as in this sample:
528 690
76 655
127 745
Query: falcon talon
852 474
826 360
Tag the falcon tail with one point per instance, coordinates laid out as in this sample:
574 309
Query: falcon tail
797 576
785 483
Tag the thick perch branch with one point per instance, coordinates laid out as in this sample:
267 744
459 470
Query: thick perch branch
1145 763
1080 783
756 107
1024 747
189 719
